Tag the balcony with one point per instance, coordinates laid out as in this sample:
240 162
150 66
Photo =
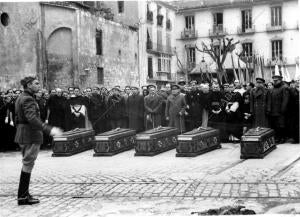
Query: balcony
162 76
160 19
217 31
168 24
157 49
189 34
276 61
150 16
248 31
275 28
191 65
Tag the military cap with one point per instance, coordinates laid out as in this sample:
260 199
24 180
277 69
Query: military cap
151 86
27 80
134 87
175 87
225 85
260 79
276 77
116 88
181 82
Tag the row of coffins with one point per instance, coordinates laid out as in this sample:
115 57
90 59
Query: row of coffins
255 143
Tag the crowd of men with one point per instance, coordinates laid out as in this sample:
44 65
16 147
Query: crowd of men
232 108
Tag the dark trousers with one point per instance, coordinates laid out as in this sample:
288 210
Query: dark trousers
277 123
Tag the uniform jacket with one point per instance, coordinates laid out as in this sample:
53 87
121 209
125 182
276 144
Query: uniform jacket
29 125
277 100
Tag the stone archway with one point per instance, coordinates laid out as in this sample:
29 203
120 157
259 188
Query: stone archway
60 58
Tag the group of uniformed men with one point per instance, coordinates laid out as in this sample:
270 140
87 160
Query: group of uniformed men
231 108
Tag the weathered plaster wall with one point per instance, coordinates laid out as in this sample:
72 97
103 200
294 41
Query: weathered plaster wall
18 43
120 50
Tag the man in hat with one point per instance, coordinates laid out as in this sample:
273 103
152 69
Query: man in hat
175 109
277 101
194 107
238 87
182 83
153 108
135 108
258 104
29 135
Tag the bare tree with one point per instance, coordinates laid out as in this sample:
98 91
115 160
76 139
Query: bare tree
218 49
183 68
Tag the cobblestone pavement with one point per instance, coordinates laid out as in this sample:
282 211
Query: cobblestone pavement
125 185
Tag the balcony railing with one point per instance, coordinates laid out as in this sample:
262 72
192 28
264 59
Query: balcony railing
150 16
191 65
245 31
159 48
278 60
275 28
217 30
189 34
163 76
168 24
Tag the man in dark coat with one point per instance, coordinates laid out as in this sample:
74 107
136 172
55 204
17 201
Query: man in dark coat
135 108
175 109
29 135
294 110
56 109
233 101
117 109
258 104
277 101
153 108
96 109
194 107
216 116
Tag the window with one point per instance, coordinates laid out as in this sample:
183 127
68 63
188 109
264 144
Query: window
164 63
100 75
246 20
190 22
121 7
247 49
150 67
276 16
191 55
98 42
277 50
218 18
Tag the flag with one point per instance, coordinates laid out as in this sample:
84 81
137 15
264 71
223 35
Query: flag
247 71
288 77
297 74
241 76
283 73
276 69
233 68
262 64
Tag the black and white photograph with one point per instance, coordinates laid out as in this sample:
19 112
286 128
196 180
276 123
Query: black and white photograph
149 108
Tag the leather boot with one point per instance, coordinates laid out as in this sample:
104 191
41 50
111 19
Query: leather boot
24 198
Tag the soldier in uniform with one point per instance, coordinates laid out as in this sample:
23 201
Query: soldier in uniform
135 108
277 101
258 104
175 109
153 108
29 135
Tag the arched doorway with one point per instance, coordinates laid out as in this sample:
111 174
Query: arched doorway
60 61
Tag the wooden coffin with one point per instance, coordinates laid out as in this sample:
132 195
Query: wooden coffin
72 142
114 142
155 141
257 143
198 141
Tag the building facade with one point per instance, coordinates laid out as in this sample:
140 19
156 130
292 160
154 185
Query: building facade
265 28
65 44
155 22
